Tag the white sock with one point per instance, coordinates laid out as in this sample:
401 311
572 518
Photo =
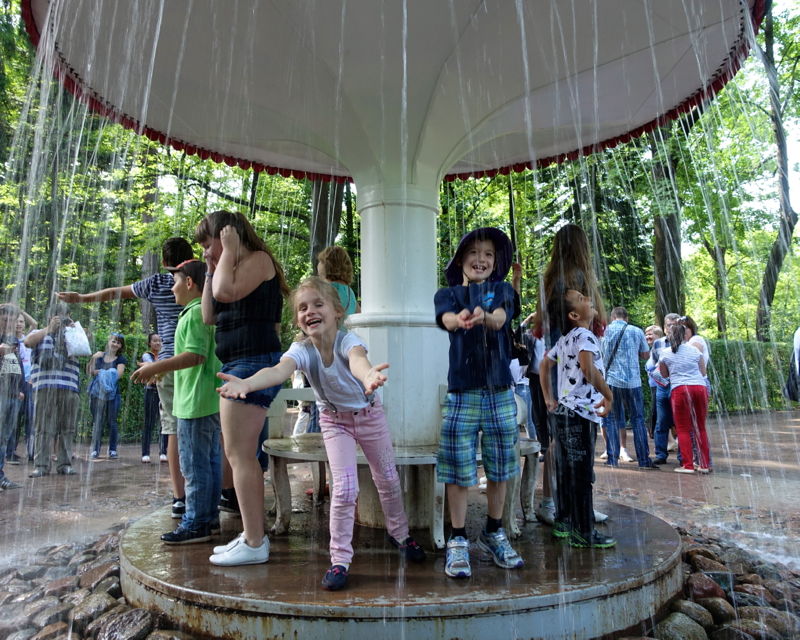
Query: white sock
546 502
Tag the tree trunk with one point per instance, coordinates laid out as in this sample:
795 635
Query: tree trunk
326 216
667 226
151 260
717 253
788 217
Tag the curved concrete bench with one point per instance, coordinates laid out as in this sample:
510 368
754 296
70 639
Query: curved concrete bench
310 447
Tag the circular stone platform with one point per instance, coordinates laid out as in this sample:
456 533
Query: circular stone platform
560 593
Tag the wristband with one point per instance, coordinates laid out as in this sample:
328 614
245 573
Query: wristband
209 275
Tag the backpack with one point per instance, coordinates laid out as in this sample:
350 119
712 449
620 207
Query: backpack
792 388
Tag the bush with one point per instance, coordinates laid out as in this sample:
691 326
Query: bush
745 376
748 376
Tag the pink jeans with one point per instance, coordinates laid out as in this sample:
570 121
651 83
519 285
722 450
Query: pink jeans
341 432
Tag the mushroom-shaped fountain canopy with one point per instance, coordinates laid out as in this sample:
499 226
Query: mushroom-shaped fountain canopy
386 90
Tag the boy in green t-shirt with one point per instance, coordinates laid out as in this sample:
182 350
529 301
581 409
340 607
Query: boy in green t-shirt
196 407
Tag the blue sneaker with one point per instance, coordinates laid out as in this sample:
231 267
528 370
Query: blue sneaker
457 564
408 548
335 578
113 455
496 544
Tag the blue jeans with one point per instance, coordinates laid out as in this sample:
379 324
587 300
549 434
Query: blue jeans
104 411
9 412
150 418
524 392
663 422
201 463
632 402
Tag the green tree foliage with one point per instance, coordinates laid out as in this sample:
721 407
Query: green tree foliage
86 204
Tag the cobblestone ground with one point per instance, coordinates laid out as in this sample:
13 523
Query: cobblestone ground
751 498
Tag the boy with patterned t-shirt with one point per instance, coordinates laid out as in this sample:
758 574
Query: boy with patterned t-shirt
583 398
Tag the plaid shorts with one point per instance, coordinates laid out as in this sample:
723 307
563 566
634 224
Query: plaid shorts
493 414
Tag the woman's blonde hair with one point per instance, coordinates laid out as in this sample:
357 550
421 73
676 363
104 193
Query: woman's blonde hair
213 223
656 330
338 266
570 267
326 290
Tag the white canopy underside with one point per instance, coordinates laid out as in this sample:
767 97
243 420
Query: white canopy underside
386 90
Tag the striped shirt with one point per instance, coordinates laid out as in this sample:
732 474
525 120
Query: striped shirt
67 376
684 366
157 289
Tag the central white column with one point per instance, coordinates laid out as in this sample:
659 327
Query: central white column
398 282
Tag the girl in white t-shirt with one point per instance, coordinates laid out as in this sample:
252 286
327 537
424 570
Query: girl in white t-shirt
344 382
686 369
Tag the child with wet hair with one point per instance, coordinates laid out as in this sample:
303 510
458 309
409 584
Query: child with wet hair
476 311
334 266
344 382
583 399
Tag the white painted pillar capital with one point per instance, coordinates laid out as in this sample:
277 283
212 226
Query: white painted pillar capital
398 282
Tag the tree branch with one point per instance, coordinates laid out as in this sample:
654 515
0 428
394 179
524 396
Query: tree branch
242 202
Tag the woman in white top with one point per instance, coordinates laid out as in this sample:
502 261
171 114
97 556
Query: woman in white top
696 341
686 369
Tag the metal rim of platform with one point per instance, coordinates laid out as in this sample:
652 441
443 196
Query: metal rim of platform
467 609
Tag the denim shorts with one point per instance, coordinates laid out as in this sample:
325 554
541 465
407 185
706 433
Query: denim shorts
246 367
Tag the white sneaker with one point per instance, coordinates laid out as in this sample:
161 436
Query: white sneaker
145 458
623 455
604 456
600 518
226 547
546 514
241 553
162 457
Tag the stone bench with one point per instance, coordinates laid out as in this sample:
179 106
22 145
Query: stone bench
309 447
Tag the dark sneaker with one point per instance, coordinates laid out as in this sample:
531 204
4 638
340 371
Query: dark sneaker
216 528
187 536
335 578
649 467
496 544
660 461
457 563
67 471
38 473
5 483
409 548
228 501
94 455
560 530
113 455
595 540
13 459
178 507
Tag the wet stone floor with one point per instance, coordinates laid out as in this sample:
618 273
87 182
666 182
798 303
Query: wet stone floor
752 497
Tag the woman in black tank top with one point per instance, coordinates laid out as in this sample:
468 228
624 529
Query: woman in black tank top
244 301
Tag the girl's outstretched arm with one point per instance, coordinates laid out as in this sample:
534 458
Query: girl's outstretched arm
371 377
271 376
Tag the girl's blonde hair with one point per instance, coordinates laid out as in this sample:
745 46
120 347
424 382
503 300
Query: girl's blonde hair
570 267
338 266
325 289
213 223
